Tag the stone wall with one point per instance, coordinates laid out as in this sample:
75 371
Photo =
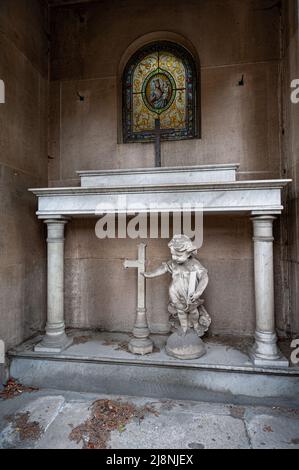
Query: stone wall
290 69
90 44
23 164
100 293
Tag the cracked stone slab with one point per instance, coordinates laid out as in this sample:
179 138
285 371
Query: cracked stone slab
273 432
42 411
179 430
176 425
57 437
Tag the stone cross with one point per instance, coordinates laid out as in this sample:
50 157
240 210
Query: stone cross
158 133
141 342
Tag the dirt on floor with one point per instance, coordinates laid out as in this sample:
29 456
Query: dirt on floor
237 411
81 339
242 344
124 345
27 430
107 416
13 389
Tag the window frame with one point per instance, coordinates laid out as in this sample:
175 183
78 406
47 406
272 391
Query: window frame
191 131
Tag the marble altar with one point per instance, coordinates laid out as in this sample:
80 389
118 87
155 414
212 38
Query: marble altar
213 189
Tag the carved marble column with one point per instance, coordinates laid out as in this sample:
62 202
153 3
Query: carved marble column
55 339
265 351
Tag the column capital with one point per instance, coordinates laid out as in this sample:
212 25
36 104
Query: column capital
59 221
55 230
266 217
263 228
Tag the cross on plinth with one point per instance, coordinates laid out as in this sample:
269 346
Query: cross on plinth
140 343
158 134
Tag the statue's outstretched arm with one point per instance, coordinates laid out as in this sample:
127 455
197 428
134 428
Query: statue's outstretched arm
157 272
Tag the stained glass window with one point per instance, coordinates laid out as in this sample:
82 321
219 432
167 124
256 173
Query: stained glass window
159 82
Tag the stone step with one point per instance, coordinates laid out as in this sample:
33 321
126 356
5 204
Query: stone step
99 362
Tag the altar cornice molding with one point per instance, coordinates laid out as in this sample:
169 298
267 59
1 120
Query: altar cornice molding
244 197
231 186
168 169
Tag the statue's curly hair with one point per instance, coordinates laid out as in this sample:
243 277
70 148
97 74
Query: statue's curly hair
181 243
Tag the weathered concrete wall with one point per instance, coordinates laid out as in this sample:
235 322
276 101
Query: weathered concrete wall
231 39
239 124
100 293
23 164
290 67
90 41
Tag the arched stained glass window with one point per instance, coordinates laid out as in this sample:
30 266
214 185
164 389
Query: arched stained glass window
159 82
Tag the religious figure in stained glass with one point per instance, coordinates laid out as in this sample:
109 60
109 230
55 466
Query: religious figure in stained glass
158 92
159 82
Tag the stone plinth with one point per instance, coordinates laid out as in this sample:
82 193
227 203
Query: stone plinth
188 346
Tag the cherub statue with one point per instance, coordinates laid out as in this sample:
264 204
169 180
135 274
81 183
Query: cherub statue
189 280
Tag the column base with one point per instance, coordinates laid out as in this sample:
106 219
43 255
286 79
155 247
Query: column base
141 346
265 351
281 362
53 344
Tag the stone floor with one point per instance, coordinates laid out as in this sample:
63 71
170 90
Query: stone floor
51 415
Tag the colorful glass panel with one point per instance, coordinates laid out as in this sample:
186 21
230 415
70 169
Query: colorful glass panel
159 82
